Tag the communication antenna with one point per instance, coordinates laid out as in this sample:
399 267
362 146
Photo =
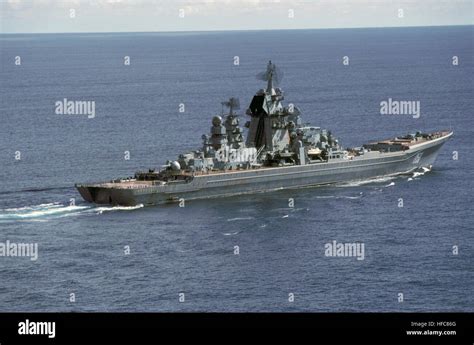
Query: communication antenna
233 104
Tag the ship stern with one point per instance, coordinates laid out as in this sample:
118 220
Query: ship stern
103 195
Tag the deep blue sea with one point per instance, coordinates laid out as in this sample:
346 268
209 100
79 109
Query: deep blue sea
190 250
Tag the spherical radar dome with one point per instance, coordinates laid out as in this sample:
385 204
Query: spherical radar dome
217 121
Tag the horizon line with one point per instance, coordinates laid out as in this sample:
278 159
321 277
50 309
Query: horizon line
231 30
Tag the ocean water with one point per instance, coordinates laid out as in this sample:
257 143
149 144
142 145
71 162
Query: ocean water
190 250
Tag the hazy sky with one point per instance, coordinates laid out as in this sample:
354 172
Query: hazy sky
166 15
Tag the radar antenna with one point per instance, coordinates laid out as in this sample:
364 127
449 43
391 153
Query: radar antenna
272 75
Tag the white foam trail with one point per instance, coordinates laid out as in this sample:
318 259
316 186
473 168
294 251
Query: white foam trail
35 212
102 209
33 207
230 233
350 197
56 210
421 173
239 218
366 181
299 209
338 197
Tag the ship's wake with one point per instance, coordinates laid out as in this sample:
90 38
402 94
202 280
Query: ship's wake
357 183
419 172
378 180
44 212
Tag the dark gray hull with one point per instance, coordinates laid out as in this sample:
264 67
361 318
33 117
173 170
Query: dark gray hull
268 179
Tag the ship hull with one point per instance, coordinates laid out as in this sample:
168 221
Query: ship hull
268 179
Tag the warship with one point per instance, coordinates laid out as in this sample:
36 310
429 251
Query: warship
279 152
